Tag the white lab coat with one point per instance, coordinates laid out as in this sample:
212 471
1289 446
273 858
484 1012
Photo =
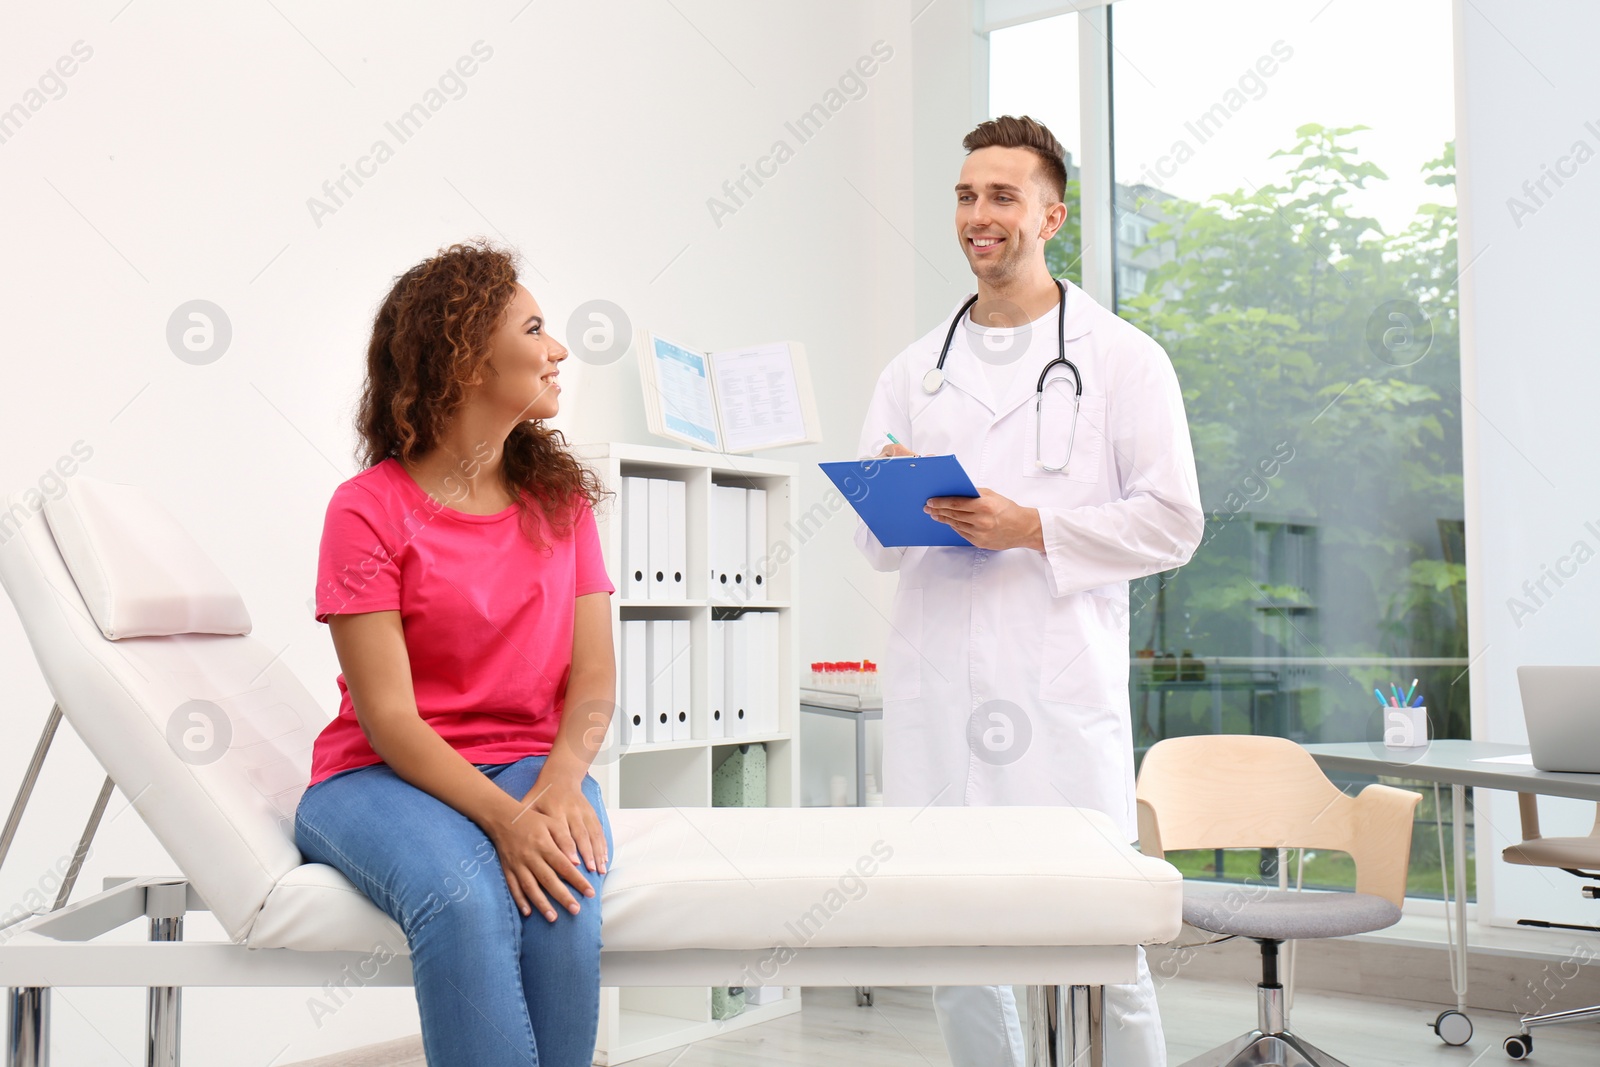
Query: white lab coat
984 642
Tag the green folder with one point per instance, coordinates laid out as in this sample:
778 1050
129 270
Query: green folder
741 780
726 1003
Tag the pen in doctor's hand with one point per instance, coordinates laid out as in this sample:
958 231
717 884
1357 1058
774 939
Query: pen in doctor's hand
894 448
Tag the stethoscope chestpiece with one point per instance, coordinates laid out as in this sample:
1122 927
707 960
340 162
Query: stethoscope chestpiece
932 380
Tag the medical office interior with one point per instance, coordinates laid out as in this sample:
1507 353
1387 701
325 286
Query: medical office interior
1357 230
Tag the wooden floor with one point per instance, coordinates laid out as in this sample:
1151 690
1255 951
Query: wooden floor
899 1030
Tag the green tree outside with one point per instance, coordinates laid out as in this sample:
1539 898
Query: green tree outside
1299 327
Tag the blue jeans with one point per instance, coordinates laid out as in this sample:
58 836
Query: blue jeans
492 986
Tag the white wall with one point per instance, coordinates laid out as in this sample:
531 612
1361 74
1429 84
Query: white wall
176 164
952 95
1528 92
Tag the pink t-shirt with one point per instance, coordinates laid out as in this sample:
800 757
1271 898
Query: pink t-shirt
487 614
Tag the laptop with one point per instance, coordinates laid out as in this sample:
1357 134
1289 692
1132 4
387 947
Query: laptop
1562 709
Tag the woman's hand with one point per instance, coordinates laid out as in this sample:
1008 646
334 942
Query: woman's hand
543 837
540 846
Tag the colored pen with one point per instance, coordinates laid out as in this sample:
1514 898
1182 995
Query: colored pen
1382 703
1417 703
1395 689
1410 692
892 439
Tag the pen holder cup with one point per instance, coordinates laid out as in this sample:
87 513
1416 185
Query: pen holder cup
1405 727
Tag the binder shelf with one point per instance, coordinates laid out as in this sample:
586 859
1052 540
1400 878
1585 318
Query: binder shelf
721 519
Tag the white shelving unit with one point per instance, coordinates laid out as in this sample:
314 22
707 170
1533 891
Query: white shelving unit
640 1022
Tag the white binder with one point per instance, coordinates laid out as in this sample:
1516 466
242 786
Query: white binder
635 683
659 544
736 666
716 717
730 517
659 726
760 671
677 538
755 539
755 670
717 545
714 538
680 728
768 708
751 623
635 537
779 696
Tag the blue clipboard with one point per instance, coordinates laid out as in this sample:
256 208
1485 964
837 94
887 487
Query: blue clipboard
889 495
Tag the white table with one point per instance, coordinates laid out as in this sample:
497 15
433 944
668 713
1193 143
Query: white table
1456 763
854 709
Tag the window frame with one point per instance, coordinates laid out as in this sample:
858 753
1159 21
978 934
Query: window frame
1097 215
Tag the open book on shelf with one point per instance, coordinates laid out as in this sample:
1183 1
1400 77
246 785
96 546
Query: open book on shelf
737 400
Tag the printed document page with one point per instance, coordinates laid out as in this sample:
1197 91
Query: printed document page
686 402
759 397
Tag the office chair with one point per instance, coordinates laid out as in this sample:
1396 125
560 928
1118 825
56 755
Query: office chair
1242 791
1578 856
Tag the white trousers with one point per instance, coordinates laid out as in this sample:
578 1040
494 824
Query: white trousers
981 1028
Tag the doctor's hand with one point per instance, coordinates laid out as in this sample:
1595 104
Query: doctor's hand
989 520
893 450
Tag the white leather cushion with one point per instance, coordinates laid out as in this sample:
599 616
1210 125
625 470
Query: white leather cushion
139 572
729 878
742 878
315 908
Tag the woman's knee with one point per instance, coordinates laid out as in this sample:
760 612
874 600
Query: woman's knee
580 933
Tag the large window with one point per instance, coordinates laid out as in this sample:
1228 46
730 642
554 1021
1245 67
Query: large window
1286 229
1284 224
1033 71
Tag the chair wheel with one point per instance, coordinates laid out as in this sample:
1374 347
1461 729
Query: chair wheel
1453 1027
1519 1045
863 996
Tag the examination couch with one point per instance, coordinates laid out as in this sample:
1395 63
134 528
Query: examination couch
141 640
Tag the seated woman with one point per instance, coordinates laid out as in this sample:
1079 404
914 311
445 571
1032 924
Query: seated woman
461 578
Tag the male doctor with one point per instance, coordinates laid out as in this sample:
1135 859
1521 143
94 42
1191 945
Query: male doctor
1006 674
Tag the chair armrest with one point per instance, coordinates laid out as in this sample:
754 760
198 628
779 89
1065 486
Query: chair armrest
1380 840
1528 808
1149 831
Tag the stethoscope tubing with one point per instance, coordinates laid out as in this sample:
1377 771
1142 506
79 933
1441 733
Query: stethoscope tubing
933 381
1061 348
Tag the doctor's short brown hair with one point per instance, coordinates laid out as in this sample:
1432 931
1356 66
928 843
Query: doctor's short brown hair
1009 131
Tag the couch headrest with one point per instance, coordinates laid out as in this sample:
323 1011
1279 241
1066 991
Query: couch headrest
221 800
140 573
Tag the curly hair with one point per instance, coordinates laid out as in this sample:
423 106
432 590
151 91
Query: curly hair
430 338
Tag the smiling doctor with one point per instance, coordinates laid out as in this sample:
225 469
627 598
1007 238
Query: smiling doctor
1006 674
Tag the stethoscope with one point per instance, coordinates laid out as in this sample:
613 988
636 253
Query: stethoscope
933 381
